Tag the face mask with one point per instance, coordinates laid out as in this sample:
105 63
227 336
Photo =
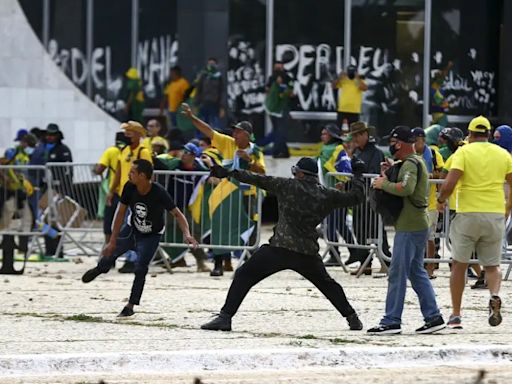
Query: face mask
29 150
393 150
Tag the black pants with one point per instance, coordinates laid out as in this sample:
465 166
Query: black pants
350 117
268 260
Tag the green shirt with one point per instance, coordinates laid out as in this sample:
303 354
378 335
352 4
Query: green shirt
410 188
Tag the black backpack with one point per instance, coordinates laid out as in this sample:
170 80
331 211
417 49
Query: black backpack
390 206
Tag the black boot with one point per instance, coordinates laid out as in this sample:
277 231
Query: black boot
221 323
128 267
90 275
217 269
354 323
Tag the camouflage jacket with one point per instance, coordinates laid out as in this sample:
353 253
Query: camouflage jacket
302 205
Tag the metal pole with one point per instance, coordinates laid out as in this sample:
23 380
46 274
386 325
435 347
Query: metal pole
347 34
89 43
426 61
269 49
46 23
135 31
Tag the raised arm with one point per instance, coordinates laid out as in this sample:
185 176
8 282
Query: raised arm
269 183
204 128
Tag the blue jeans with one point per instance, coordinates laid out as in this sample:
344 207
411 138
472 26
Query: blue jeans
407 263
209 113
145 246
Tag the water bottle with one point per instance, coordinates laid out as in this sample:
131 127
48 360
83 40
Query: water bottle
47 230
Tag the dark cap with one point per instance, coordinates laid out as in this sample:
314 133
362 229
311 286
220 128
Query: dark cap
307 165
402 133
20 134
418 132
52 129
243 125
333 130
455 135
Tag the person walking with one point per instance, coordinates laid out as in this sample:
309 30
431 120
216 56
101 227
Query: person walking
479 170
302 203
410 239
148 202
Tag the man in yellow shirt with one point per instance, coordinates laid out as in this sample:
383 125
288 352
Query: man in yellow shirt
350 96
238 153
134 131
174 94
480 168
109 161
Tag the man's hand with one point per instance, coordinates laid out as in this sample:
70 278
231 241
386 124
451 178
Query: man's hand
379 182
109 249
219 172
187 111
110 197
358 167
192 241
385 165
243 155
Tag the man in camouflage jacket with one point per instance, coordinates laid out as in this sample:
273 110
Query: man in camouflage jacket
303 203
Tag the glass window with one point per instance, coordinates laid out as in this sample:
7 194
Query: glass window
157 49
67 39
111 55
33 10
246 65
387 48
465 53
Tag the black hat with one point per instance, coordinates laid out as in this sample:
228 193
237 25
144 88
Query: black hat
333 130
402 133
418 132
176 145
243 125
455 135
52 128
307 165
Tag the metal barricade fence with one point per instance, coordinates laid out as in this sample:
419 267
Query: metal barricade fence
358 226
75 208
361 228
21 188
223 215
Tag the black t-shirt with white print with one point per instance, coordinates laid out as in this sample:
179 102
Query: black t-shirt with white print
147 211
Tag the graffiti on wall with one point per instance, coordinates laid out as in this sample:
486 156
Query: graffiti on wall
155 57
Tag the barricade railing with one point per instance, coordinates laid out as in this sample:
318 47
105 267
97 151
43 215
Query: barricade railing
357 226
361 228
223 215
21 188
75 206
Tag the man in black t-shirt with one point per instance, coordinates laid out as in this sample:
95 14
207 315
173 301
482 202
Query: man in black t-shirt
148 203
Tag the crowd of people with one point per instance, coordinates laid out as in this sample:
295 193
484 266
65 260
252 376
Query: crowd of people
474 168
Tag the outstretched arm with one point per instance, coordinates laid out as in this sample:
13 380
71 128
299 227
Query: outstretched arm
355 196
204 128
269 183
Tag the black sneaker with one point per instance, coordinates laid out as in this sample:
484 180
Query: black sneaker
90 275
221 323
392 329
125 313
432 326
217 272
128 267
495 311
354 322
480 283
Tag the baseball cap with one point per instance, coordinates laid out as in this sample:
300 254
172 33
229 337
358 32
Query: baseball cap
418 132
307 165
160 141
192 149
134 126
243 125
333 130
19 135
402 133
479 124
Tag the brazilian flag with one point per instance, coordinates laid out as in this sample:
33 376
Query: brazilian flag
230 222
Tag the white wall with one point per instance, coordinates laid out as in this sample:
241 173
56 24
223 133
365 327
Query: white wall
34 92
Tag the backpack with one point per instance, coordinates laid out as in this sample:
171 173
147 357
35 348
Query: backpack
390 206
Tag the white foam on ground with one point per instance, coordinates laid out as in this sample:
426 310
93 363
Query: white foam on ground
244 360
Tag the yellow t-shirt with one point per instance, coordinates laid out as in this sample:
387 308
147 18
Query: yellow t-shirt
452 200
227 148
126 158
175 92
432 197
485 168
350 97
110 159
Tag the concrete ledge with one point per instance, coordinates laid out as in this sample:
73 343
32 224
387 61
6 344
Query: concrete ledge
244 360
